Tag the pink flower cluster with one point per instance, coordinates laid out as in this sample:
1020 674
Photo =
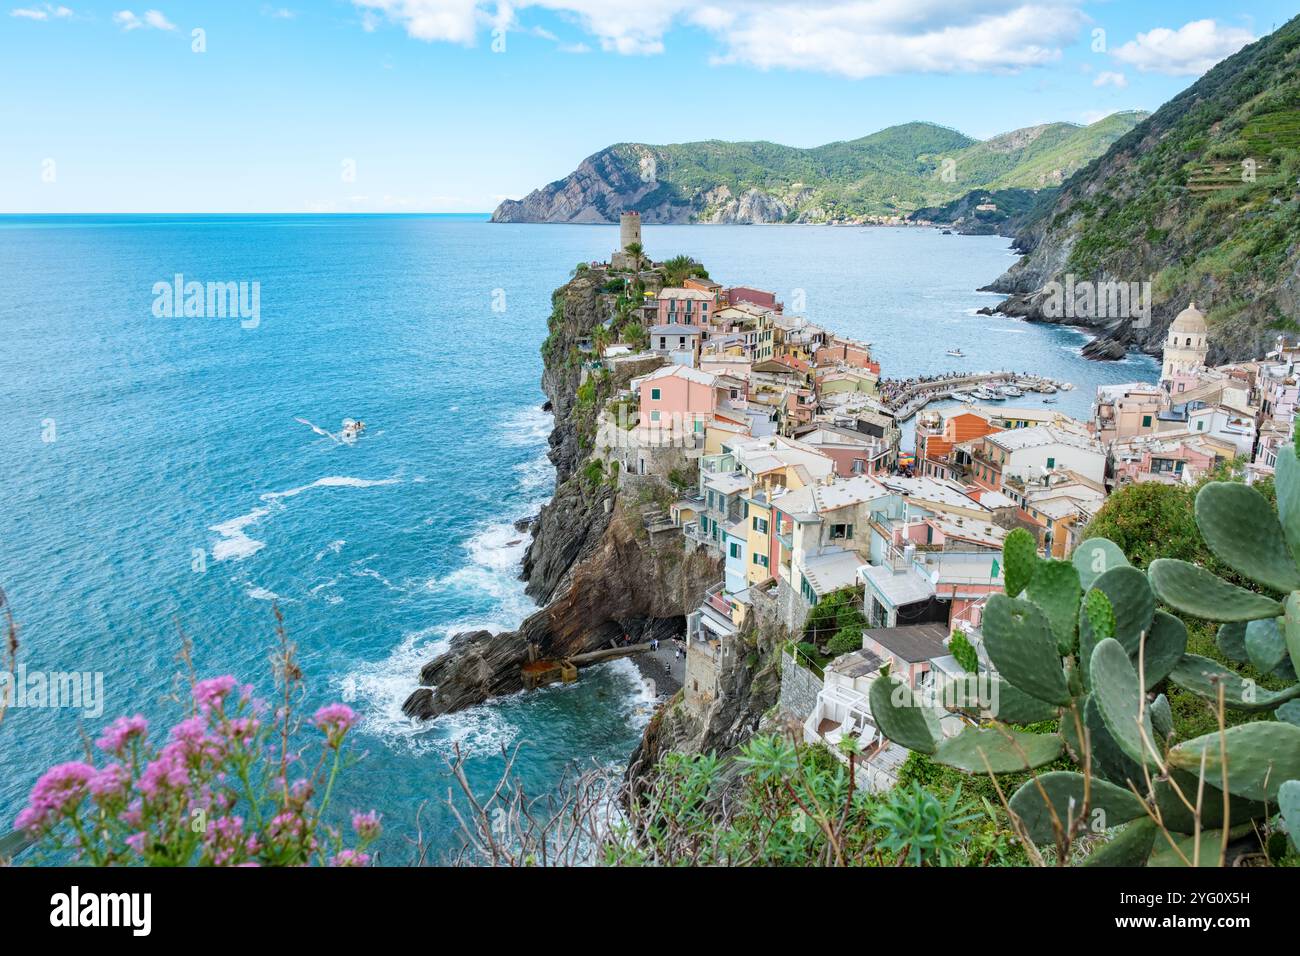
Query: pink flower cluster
218 792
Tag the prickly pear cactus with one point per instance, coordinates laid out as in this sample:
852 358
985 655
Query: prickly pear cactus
1073 644
1083 646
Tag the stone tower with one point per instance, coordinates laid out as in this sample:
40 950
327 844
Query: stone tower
629 231
1187 344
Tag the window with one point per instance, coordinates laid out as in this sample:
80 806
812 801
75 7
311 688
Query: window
1146 421
654 416
735 549
1200 424
760 559
841 531
1051 463
654 394
760 525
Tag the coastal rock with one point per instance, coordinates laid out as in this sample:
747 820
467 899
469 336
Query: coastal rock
625 577
570 525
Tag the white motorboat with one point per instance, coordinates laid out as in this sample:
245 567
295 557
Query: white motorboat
352 429
984 395
1050 400
957 353
1011 391
960 397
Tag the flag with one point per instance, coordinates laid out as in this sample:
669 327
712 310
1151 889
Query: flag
996 569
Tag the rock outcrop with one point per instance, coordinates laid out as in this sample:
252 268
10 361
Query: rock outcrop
592 563
748 688
625 584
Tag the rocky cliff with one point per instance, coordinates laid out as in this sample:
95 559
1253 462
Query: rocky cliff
748 687
592 564
1200 200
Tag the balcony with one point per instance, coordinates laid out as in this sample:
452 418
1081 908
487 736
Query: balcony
716 598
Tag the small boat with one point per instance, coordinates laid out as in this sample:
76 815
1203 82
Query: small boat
957 353
352 429
1050 400
984 395
960 397
1066 386
1010 391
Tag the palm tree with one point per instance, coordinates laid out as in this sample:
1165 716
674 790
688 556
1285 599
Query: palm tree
635 250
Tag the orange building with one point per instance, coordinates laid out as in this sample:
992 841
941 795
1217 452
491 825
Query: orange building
936 435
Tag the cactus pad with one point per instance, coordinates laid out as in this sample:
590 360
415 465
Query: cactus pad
1242 530
1020 644
1193 590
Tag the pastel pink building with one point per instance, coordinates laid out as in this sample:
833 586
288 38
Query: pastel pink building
684 306
678 398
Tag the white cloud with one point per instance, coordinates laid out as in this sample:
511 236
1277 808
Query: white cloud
46 11
278 13
854 38
1188 51
152 18
1109 78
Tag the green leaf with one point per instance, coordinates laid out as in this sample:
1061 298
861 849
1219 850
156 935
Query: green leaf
1162 719
1163 648
1107 759
1131 600
1055 589
1265 645
999 749
1094 557
1005 702
1242 530
1118 698
1261 757
1108 805
1211 848
1193 590
1231 640
1286 481
1178 818
1202 677
1019 642
1290 712
1288 803
1291 627
901 717
1019 559
1130 847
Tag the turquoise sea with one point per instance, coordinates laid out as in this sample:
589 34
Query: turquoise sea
155 479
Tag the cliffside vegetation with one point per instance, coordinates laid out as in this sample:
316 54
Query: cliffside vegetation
1201 198
889 173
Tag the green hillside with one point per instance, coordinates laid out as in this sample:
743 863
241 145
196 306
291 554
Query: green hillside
889 173
1202 196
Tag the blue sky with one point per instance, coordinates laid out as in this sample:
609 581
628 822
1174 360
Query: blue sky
451 105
